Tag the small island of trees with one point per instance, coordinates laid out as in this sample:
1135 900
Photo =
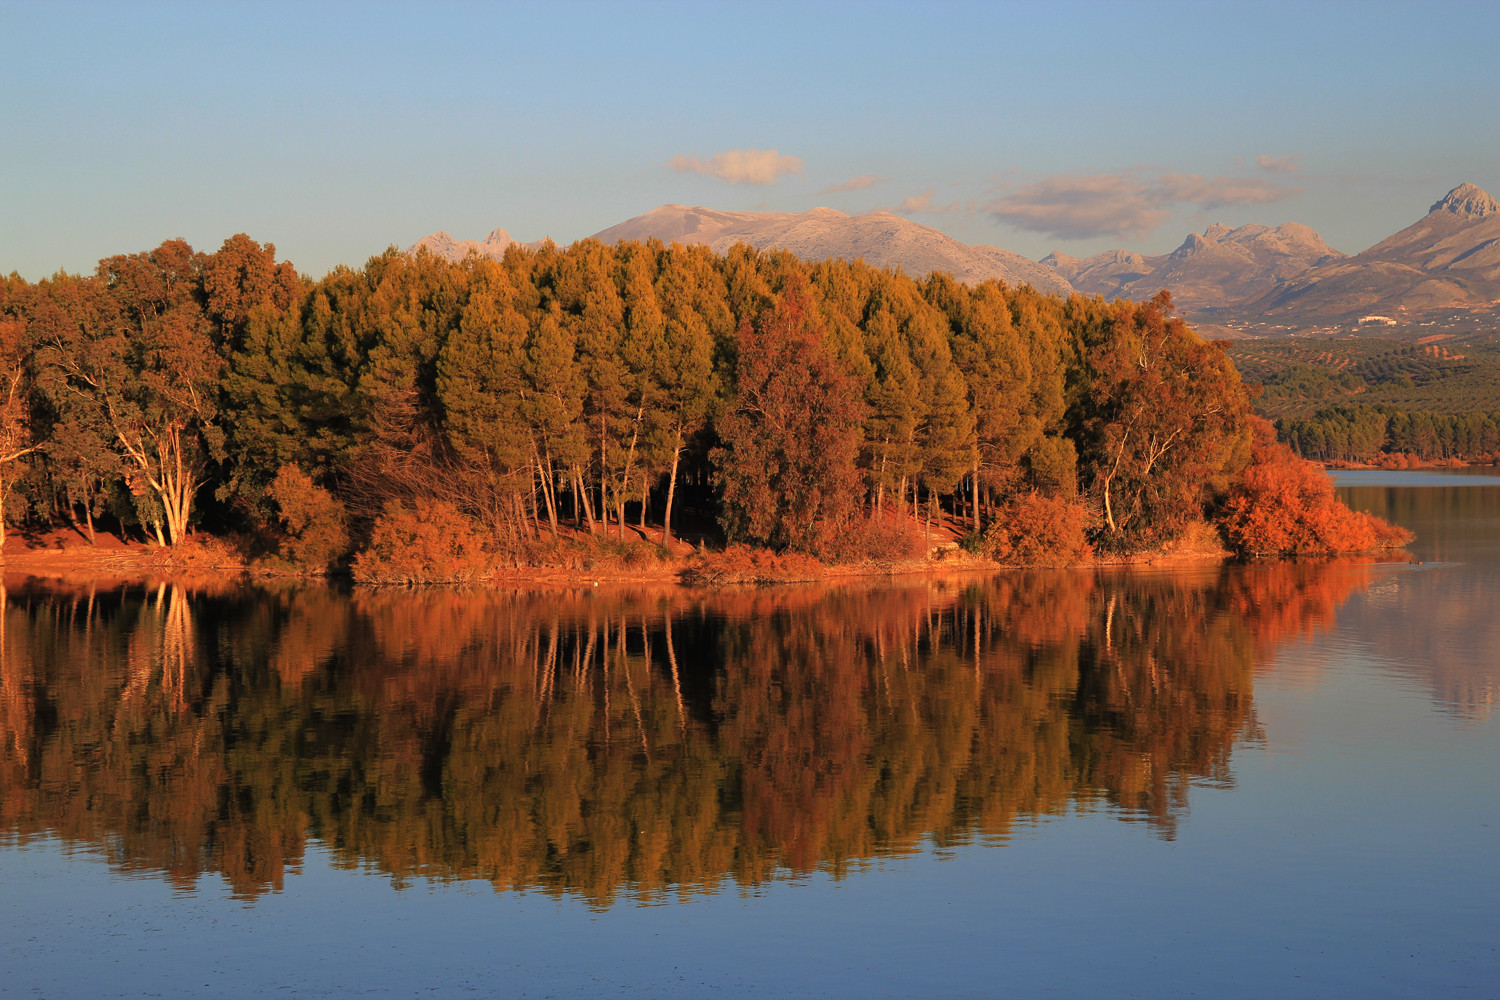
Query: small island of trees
421 419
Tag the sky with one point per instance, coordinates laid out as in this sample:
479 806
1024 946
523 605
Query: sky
334 130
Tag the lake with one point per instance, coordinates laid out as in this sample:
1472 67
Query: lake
1244 781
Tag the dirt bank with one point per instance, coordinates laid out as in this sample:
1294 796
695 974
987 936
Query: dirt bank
65 554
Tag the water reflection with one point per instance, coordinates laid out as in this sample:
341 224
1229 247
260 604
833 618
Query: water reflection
1454 595
642 743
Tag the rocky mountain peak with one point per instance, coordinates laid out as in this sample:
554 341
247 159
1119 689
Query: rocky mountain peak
1467 200
1192 244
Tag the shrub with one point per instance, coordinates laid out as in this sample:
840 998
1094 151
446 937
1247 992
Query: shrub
880 538
1283 505
428 541
313 520
746 564
596 553
1036 530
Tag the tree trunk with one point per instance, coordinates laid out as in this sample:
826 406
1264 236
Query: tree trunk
86 526
975 510
549 494
1109 512
927 526
629 461
583 507
666 519
603 476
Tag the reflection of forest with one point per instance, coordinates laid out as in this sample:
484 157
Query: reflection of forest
604 743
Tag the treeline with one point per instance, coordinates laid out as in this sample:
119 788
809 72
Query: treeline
604 744
1365 433
479 410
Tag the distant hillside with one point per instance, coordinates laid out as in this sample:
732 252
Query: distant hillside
1220 267
1301 375
879 238
1448 258
494 245
1286 279
1442 273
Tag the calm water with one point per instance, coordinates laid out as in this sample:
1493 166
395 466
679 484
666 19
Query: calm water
1244 782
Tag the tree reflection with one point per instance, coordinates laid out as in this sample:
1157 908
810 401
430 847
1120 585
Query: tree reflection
642 743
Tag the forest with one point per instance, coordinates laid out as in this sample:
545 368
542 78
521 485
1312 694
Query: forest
1378 433
1380 401
420 419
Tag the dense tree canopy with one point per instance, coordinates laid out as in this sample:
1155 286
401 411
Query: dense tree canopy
595 386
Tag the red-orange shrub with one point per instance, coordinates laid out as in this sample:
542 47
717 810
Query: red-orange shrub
747 564
880 538
426 542
1035 530
1283 505
313 519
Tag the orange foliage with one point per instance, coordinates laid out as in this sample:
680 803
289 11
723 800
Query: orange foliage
882 537
1036 530
1283 505
314 520
747 564
428 541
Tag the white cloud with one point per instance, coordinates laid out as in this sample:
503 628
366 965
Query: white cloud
1123 204
740 166
1279 164
923 203
1217 192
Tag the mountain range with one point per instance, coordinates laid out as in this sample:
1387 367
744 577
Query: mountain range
494 245
879 238
1245 278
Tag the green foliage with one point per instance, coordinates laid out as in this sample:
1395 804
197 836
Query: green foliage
1367 433
1052 466
1438 374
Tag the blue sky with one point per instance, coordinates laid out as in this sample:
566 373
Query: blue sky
334 130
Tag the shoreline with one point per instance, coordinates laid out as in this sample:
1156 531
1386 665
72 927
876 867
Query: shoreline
1409 463
208 560
214 560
